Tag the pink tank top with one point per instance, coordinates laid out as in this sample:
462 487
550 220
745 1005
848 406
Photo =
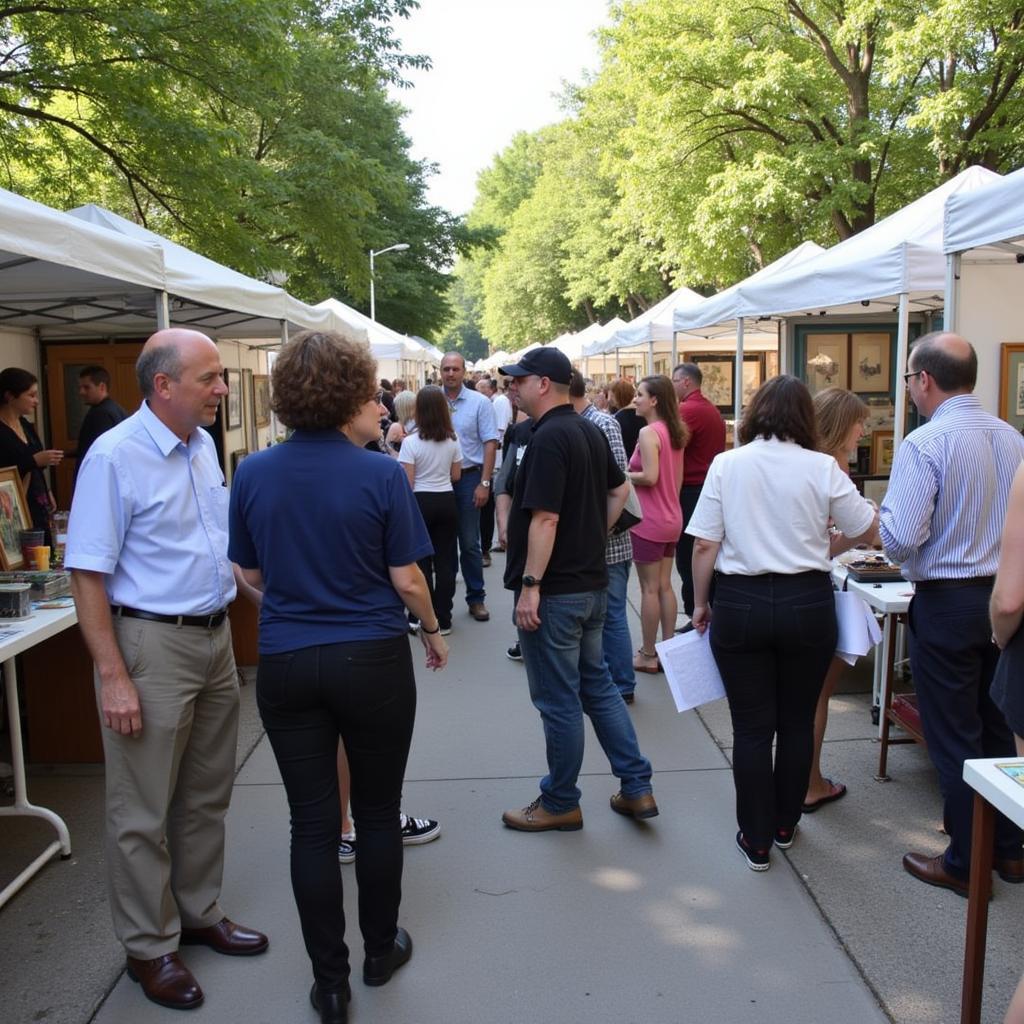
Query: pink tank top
663 518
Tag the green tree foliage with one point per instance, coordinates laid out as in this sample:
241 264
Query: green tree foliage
256 131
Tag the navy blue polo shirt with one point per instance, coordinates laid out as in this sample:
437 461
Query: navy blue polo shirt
323 519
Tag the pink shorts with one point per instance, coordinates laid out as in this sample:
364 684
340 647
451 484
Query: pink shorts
647 551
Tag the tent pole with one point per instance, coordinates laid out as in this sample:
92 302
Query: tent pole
675 350
650 358
163 312
951 314
738 385
617 373
902 346
284 332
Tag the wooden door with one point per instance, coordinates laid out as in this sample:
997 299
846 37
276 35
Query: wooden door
63 363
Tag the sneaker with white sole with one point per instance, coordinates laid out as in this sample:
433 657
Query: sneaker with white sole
514 653
346 849
757 860
418 830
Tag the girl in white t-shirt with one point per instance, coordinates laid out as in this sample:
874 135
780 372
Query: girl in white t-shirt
432 460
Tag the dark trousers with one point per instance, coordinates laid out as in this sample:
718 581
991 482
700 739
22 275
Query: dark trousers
365 693
442 519
688 496
487 524
773 638
953 659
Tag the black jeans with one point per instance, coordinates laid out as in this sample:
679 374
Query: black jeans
441 516
364 692
688 497
953 660
773 638
487 524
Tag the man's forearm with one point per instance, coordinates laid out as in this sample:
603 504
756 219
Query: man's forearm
616 503
540 544
490 455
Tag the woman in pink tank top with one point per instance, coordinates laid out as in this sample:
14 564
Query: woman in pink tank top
656 470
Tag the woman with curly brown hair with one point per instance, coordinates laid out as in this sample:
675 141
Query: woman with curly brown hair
331 534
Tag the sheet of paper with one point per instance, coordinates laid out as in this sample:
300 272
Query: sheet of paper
690 669
858 630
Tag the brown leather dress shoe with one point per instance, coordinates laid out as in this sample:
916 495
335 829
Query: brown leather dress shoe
1010 870
166 981
479 612
535 818
226 937
637 807
933 871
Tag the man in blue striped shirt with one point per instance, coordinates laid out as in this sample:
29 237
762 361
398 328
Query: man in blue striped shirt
942 519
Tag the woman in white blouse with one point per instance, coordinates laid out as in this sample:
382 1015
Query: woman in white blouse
761 522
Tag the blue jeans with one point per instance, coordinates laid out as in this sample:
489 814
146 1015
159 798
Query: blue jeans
616 641
470 556
565 667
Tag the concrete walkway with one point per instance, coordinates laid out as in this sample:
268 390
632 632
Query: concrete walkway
618 923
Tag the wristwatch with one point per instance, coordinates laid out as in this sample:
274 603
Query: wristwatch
485 483
531 581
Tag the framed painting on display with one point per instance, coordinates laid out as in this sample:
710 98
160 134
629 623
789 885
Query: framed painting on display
261 387
881 452
233 405
14 517
719 371
1011 383
827 362
771 365
874 488
869 363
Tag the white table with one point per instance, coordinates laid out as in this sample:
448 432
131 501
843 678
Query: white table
993 791
41 626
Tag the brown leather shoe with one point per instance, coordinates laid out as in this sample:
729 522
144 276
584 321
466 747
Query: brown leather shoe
933 871
637 807
479 612
226 937
485 560
534 818
1010 870
166 981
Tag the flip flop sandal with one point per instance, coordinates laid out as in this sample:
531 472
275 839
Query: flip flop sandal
646 668
838 792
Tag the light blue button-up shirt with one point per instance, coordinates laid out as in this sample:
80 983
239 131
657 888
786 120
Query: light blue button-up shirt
151 513
473 420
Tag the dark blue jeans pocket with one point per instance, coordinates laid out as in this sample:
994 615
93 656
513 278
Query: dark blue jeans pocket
273 676
815 622
730 624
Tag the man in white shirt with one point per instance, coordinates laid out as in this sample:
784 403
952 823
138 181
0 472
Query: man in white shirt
502 417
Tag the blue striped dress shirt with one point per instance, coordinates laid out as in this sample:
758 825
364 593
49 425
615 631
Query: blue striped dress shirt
942 517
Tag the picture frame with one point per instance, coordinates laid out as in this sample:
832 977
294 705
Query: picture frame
874 488
1011 383
870 357
236 457
261 396
881 452
14 517
719 373
249 410
771 365
233 404
826 364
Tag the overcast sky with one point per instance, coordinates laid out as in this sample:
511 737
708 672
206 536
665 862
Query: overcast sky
498 66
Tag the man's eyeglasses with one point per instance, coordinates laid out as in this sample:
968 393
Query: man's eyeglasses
913 373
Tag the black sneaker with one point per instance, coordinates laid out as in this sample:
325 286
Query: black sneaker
784 837
416 831
514 652
346 850
757 860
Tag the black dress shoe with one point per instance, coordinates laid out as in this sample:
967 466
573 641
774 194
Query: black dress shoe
332 1006
933 871
377 970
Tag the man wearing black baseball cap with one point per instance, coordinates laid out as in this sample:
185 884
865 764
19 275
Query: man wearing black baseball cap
568 492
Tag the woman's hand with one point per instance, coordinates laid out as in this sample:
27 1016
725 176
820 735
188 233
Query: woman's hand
49 457
701 618
437 650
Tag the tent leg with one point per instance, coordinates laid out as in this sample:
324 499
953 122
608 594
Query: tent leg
163 312
284 332
675 352
650 359
617 368
951 314
738 385
902 347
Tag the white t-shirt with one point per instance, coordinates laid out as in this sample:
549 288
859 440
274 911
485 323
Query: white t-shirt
433 461
769 504
502 418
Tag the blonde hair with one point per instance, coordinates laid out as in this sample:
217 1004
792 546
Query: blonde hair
836 411
405 406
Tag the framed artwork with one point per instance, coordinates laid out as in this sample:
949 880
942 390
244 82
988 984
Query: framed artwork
874 489
261 389
881 452
717 379
236 457
753 377
14 517
249 410
771 365
826 365
233 409
1011 383
869 363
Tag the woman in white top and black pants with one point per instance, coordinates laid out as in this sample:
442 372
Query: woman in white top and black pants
762 521
432 460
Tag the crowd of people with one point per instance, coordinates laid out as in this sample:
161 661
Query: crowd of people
582 481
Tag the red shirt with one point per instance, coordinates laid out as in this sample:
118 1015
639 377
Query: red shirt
707 437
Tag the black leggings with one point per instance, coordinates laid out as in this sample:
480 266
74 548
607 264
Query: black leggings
773 638
439 513
364 692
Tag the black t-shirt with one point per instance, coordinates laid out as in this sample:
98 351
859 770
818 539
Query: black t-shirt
630 423
568 468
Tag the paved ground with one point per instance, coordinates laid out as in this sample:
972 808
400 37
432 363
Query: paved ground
615 924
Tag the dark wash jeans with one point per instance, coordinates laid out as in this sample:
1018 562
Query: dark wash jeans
565 667
953 660
773 637
442 521
364 692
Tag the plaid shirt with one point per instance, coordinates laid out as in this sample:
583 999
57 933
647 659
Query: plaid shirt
620 545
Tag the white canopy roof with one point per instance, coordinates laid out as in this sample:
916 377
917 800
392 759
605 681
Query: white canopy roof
991 216
654 324
215 298
384 342
901 254
573 345
67 277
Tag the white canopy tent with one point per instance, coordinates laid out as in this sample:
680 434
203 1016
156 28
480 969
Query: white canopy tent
983 238
64 277
897 262
574 345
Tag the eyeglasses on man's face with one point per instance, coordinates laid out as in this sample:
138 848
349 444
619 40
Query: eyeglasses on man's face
912 373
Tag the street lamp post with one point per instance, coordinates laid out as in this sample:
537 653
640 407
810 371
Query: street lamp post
398 247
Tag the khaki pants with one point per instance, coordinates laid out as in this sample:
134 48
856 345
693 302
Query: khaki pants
168 789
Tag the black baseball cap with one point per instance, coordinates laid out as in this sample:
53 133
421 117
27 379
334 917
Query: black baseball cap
541 362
